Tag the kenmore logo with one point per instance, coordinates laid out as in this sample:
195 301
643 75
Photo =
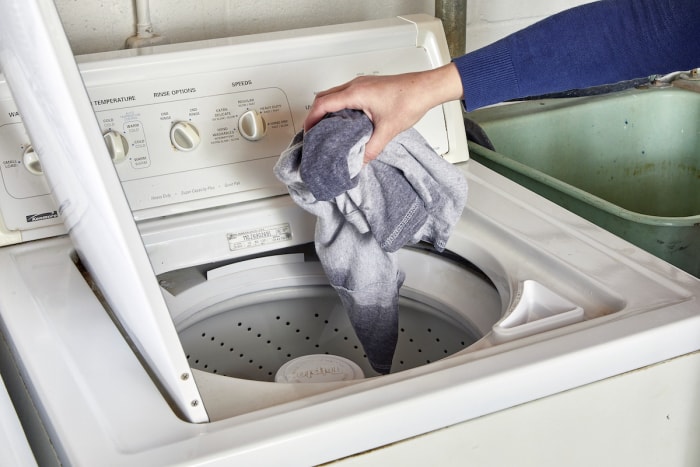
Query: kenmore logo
42 217
247 82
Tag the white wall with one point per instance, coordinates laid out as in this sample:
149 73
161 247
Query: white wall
489 20
100 25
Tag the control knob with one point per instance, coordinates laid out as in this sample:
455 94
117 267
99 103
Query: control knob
184 136
252 125
30 159
117 145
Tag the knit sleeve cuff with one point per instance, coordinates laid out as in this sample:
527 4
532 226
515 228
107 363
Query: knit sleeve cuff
488 75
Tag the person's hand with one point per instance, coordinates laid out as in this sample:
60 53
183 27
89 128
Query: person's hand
393 103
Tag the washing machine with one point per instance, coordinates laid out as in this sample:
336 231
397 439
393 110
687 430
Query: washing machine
161 301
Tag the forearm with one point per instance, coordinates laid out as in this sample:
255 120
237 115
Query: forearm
439 85
597 43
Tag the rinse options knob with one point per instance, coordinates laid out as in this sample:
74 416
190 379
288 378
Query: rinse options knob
184 136
30 159
117 145
252 125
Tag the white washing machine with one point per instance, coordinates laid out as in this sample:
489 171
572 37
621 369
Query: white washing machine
529 300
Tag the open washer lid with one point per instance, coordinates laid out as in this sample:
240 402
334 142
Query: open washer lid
41 71
57 112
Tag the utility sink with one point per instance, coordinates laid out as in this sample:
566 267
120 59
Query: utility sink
628 161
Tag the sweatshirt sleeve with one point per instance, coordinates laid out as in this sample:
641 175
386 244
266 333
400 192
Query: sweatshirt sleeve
598 43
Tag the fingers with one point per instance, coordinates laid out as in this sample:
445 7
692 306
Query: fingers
315 115
325 102
378 97
381 136
334 89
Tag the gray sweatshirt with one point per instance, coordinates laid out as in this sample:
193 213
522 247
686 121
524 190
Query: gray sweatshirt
365 213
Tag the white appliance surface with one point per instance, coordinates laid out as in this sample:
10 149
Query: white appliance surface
557 303
13 442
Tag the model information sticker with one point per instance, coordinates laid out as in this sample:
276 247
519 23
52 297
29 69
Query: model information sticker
259 237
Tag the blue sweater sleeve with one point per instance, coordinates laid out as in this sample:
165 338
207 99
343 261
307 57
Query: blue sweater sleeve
597 43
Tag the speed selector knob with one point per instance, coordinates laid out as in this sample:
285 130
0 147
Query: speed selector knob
117 145
252 125
30 159
184 136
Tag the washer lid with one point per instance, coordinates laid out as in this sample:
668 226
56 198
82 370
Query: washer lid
41 71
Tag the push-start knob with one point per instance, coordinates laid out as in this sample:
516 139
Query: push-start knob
184 136
252 125
117 145
30 159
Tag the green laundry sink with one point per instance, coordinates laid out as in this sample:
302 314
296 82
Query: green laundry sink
627 161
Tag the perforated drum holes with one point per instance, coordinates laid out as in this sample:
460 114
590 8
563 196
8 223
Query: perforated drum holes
253 342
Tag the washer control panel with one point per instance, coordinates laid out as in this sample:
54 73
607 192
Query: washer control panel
192 139
195 128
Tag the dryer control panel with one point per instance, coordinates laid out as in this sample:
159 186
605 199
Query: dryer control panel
201 125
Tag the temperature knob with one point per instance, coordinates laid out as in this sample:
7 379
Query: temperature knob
30 159
184 136
252 125
117 145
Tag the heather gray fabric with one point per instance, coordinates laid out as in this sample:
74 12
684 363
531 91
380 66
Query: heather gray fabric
366 213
